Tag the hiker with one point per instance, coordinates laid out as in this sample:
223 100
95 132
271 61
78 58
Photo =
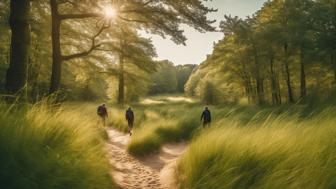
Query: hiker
130 119
102 113
206 117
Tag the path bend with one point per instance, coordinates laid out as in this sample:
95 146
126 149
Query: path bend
153 172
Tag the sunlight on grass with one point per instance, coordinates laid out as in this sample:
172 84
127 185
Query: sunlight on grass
278 153
148 101
51 147
180 99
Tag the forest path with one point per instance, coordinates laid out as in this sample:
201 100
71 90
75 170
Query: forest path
153 172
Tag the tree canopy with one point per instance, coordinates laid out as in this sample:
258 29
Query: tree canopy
283 52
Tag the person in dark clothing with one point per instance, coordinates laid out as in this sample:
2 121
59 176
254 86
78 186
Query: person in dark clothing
102 113
206 117
130 119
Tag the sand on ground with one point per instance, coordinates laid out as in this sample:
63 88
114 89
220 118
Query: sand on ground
154 172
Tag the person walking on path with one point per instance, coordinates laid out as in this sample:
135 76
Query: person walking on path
206 117
130 119
102 113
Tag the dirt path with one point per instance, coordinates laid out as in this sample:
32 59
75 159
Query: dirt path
154 172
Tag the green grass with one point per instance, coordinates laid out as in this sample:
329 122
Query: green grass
247 146
156 125
280 150
166 122
290 146
52 148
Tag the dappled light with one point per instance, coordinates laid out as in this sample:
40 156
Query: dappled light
151 101
167 100
180 99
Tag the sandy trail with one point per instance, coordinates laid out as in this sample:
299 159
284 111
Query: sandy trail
154 172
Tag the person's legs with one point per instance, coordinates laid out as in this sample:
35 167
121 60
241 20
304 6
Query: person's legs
103 120
206 124
130 126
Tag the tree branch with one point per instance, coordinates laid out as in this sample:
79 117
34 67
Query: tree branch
93 47
79 16
132 20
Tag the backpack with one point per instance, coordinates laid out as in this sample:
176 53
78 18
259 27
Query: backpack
100 111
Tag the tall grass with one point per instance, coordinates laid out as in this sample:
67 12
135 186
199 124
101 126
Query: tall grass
165 122
156 125
52 148
279 151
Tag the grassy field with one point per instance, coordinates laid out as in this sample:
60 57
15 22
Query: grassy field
164 119
157 124
52 147
287 150
246 146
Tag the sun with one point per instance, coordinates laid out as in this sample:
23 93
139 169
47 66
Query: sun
110 12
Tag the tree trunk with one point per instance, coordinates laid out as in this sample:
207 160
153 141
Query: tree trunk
259 80
248 89
56 49
288 76
302 76
274 88
121 91
333 63
16 78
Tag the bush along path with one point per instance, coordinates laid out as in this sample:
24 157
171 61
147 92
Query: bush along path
152 172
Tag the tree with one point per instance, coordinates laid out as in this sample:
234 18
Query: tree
4 42
324 26
159 17
243 34
16 77
134 55
210 93
300 27
286 45
58 57
183 74
134 50
165 79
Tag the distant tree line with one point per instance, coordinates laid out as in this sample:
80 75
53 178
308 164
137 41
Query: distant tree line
285 52
170 78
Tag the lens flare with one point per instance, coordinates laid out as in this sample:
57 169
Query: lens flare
110 12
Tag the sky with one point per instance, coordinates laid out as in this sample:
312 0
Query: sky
199 45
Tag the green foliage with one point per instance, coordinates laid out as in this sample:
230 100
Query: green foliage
4 42
210 93
120 37
280 152
169 78
183 74
279 54
165 79
50 147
